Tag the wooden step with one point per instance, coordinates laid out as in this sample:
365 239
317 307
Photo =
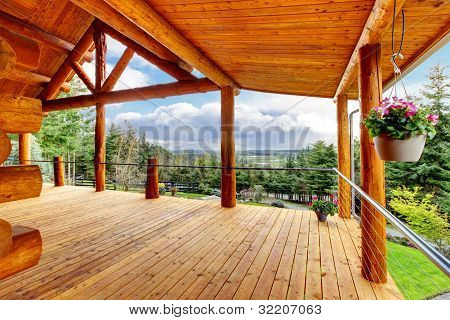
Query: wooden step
25 252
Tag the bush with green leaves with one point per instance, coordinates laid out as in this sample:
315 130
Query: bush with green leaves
278 204
421 215
259 193
162 188
400 119
205 189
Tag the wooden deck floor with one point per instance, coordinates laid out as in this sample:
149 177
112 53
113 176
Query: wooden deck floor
117 245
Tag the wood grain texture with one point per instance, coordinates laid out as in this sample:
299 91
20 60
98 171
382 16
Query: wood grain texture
149 20
25 252
82 75
24 148
27 51
343 150
19 182
58 171
373 223
34 79
11 23
227 149
128 95
151 187
5 238
20 114
5 146
173 248
7 59
119 68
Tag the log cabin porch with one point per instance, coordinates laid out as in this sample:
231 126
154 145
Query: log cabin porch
119 245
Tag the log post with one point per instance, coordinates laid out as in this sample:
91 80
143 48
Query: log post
373 224
58 171
151 188
5 147
343 143
100 120
228 185
25 148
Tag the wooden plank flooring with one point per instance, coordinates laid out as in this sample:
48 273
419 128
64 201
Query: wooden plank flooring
117 245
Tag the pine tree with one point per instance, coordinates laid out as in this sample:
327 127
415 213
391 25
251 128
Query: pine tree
432 172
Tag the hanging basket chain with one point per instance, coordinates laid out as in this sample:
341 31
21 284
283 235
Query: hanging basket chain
397 54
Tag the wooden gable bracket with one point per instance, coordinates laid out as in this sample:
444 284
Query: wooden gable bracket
379 20
137 20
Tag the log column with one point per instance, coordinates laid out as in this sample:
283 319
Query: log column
228 185
25 148
58 171
100 120
373 224
151 188
343 142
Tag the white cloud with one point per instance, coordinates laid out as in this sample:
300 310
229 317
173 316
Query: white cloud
267 125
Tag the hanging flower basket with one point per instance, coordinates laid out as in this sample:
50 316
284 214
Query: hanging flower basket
399 129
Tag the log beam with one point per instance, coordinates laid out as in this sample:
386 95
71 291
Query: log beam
82 75
373 224
65 69
8 22
5 238
119 68
27 51
25 252
129 95
24 148
19 182
7 59
34 79
228 157
100 119
379 20
5 147
343 148
20 114
143 15
106 13
171 68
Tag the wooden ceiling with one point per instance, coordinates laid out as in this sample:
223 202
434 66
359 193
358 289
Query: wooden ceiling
297 47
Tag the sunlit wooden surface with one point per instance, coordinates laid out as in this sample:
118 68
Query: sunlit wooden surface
117 245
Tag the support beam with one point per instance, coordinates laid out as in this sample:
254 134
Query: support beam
119 68
227 150
27 51
152 188
100 119
11 23
168 67
65 69
19 182
7 59
129 95
343 147
83 76
25 148
20 114
5 147
373 224
106 13
58 171
379 20
34 79
143 15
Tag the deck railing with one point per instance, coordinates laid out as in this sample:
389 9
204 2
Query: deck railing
351 197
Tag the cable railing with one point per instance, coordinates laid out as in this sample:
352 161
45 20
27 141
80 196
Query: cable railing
352 198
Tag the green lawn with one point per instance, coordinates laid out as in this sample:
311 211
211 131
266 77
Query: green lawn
188 195
415 275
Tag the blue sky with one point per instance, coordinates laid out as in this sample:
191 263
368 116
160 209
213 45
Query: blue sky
283 121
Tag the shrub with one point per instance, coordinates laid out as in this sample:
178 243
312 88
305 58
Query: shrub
162 188
259 192
278 204
205 189
421 215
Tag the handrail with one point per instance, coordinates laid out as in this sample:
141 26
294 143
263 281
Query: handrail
434 255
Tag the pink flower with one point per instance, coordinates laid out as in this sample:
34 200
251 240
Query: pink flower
309 204
434 118
412 110
314 198
335 201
